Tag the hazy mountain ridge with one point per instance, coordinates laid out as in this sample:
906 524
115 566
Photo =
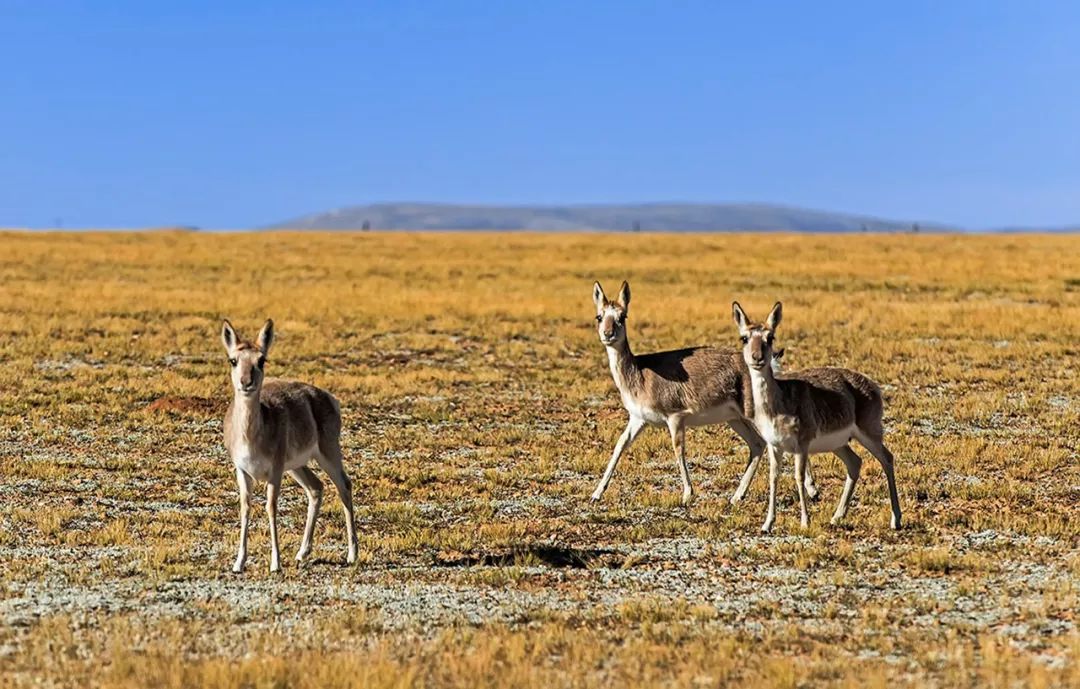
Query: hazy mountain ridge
685 217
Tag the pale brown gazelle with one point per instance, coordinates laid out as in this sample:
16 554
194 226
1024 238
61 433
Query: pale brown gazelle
675 389
810 411
275 427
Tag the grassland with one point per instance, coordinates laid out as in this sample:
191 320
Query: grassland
479 414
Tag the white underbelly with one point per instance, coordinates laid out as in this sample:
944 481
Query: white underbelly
259 467
713 415
645 413
833 440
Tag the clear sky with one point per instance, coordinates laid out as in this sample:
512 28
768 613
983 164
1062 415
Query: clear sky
242 113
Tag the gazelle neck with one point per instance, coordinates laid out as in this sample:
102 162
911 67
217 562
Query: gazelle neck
766 391
247 414
624 369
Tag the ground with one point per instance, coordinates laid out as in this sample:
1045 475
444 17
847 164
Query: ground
479 413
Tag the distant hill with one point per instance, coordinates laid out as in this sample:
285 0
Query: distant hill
675 217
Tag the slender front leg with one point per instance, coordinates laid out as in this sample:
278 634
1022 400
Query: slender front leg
633 428
246 485
314 489
800 486
853 464
678 443
273 489
757 449
774 473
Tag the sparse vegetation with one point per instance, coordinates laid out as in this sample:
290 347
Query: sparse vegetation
479 414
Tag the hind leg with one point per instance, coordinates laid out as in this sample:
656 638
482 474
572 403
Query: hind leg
853 464
876 447
314 489
332 462
757 449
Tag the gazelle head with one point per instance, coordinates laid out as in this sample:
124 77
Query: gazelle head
247 359
611 315
757 338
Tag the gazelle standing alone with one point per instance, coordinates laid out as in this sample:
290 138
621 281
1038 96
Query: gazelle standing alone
274 427
809 411
698 386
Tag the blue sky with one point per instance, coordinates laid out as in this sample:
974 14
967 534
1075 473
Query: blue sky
234 114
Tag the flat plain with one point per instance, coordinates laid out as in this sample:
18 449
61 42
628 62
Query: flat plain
479 413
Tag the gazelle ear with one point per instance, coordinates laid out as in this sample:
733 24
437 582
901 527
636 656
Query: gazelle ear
774 316
228 335
266 336
739 315
598 296
624 296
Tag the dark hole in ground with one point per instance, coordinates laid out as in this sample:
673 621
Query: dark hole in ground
558 557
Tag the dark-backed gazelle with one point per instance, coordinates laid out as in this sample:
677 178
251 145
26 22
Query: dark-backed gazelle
810 411
676 389
275 427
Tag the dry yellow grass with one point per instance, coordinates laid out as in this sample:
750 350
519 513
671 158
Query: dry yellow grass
479 413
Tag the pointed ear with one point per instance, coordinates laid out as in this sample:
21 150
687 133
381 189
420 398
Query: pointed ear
229 337
624 296
266 336
774 316
598 296
739 315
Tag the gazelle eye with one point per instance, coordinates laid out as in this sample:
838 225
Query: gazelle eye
232 362
599 318
744 339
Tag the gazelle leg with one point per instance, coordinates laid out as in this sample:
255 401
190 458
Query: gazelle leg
774 473
273 490
314 489
877 448
811 486
853 464
246 485
333 463
757 449
633 428
678 443
800 486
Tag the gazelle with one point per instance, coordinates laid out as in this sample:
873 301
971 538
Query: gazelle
697 386
809 411
274 427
